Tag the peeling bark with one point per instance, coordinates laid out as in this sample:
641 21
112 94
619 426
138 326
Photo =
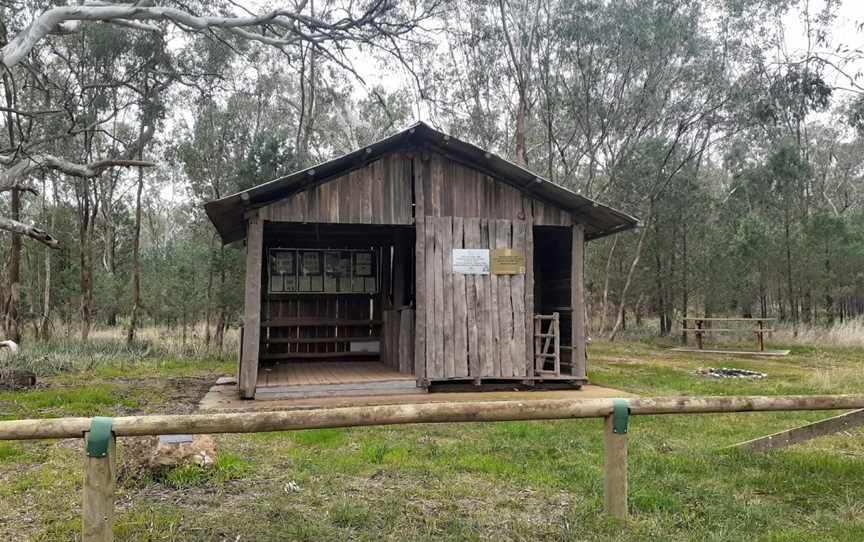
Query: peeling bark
296 26
29 230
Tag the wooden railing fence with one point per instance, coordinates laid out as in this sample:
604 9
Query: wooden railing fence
99 474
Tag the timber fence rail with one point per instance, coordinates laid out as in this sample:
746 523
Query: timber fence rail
100 433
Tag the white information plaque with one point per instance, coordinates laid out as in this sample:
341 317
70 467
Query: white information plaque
471 261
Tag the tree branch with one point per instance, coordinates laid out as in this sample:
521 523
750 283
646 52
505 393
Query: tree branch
30 231
298 26
21 168
34 113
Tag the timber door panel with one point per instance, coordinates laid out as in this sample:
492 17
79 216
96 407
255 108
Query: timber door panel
476 326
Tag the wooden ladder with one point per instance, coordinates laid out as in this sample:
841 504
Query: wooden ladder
547 345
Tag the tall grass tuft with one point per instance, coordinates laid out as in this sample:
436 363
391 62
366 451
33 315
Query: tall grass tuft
108 348
848 333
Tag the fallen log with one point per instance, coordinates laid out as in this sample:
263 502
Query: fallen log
805 432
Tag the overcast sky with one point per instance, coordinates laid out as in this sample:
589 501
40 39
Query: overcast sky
844 30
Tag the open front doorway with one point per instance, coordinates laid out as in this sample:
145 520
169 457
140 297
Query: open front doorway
553 269
333 299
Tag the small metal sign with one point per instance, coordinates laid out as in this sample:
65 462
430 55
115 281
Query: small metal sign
174 439
506 261
471 261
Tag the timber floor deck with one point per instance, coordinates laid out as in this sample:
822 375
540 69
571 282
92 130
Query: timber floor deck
224 397
331 378
326 372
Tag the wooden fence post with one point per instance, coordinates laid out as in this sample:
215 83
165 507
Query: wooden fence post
97 501
614 470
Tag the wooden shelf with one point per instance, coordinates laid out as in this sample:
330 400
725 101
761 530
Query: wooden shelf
311 322
313 294
316 355
319 340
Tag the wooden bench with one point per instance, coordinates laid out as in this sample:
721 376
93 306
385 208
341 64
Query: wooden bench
699 328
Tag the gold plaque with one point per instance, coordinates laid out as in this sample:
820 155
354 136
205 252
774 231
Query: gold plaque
506 261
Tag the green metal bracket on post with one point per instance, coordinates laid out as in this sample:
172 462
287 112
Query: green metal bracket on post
100 436
620 416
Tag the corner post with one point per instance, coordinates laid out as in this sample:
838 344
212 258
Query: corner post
97 501
252 308
615 460
760 337
577 302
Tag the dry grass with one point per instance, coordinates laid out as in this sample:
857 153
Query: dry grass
846 334
849 333
107 347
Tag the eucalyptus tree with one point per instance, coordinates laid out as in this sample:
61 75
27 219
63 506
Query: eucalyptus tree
84 68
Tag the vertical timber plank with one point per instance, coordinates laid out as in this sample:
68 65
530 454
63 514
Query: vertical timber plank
460 310
344 193
365 180
430 299
433 199
472 284
405 207
252 308
406 338
577 301
492 361
386 355
529 287
517 284
394 183
438 273
377 178
97 499
446 235
333 202
355 200
420 281
312 205
505 305
614 471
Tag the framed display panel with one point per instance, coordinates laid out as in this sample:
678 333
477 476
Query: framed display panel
282 271
328 271
311 277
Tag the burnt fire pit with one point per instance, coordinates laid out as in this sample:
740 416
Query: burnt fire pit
726 372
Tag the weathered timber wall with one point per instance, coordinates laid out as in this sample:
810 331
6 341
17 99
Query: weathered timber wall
453 189
377 193
380 193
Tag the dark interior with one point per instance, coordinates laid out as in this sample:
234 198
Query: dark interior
333 325
552 269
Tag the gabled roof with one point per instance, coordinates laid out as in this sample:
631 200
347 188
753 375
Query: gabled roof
227 214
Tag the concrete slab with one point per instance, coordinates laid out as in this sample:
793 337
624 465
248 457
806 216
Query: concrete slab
225 398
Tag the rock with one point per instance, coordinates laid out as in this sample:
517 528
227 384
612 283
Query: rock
16 379
9 346
157 453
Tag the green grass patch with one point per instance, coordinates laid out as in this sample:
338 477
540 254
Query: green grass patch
502 481
85 400
9 452
228 466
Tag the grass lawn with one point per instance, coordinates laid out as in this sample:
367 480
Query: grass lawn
501 481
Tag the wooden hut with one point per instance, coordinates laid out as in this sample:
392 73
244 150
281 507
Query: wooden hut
416 260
